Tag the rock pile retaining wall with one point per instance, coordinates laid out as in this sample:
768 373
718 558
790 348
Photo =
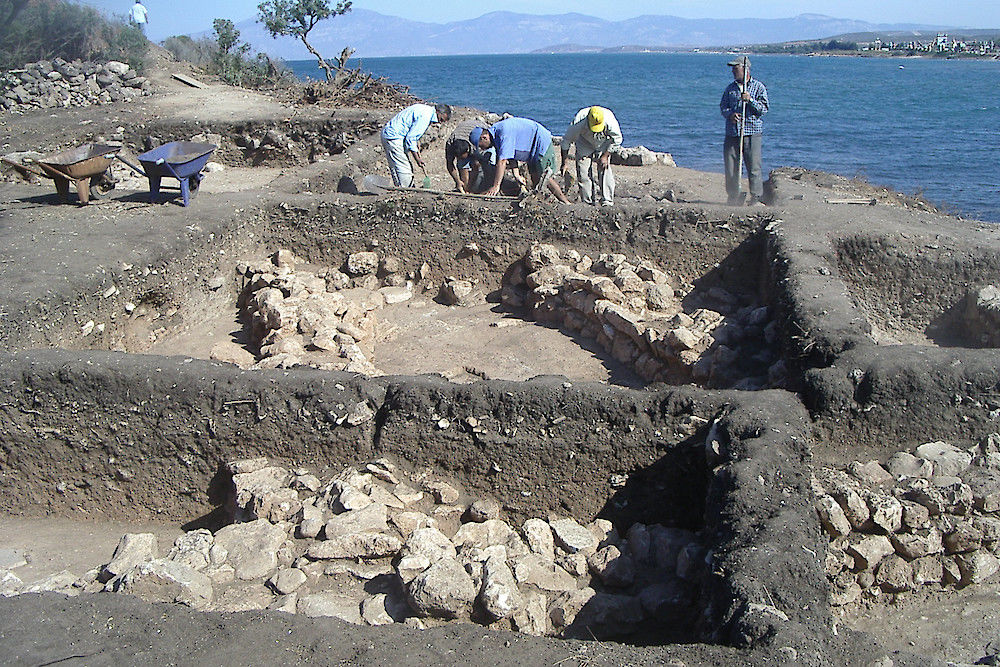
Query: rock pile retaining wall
376 546
635 311
57 83
927 518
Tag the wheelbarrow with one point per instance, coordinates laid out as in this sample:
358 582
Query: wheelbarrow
87 166
182 160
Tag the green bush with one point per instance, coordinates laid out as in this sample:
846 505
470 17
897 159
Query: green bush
46 29
229 58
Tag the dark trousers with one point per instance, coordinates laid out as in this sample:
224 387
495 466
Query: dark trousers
751 158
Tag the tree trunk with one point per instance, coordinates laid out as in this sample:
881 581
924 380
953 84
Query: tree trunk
322 64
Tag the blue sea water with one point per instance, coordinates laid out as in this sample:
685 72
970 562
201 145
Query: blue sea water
924 126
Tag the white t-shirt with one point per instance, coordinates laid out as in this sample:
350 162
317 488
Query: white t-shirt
139 14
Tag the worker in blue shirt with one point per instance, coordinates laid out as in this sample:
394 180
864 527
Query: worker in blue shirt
750 92
401 134
524 140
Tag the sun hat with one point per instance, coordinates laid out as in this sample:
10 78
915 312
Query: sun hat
475 134
742 60
595 119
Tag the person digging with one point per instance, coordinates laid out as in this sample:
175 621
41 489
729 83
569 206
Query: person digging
524 140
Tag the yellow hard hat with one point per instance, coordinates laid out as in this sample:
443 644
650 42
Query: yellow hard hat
595 119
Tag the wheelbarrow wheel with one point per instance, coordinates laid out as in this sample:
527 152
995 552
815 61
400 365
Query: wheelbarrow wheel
101 186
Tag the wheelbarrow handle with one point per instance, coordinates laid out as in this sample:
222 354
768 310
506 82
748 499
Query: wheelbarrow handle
130 165
24 167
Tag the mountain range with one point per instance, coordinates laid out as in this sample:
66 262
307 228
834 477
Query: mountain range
372 34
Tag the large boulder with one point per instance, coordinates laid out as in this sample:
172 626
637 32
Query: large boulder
444 590
251 548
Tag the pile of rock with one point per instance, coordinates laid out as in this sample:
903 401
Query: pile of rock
635 312
375 546
927 518
324 319
57 83
640 156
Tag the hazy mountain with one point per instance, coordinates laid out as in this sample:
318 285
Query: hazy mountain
373 34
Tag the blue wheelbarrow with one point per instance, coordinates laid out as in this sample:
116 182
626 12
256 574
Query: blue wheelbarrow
182 160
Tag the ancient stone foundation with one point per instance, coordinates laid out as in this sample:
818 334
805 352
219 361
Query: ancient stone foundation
57 83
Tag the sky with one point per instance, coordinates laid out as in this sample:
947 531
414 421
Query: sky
173 17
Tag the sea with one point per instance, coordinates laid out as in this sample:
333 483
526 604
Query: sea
929 127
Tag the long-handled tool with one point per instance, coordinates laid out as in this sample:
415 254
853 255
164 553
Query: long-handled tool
427 179
743 125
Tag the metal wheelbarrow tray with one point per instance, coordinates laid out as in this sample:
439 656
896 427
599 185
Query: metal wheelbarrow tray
81 165
182 160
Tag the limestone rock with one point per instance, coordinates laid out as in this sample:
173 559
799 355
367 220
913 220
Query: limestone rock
355 545
571 536
904 464
832 517
252 548
565 608
922 542
545 574
368 519
946 459
330 604
538 535
886 513
869 551
443 590
484 509
499 596
894 575
288 581
133 549
614 568
167 581
193 549
532 618
976 567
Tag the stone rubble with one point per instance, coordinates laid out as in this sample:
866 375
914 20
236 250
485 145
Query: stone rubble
926 518
635 312
60 84
404 555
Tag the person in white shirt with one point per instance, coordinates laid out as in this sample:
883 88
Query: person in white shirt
595 131
401 134
139 15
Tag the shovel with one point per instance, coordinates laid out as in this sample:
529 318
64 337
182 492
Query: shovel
426 185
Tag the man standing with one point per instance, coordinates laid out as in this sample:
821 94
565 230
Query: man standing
744 102
470 168
139 15
524 140
594 130
401 134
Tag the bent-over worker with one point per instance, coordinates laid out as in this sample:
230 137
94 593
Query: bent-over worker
401 135
472 169
524 140
594 130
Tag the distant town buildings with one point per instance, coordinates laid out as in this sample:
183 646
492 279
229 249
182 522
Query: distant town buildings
940 45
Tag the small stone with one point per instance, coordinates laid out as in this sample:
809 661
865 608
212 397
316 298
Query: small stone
545 574
133 549
855 508
566 607
484 510
894 575
614 568
947 459
886 513
330 604
287 581
375 610
832 517
571 536
927 570
976 567
965 537
538 535
869 551
444 590
443 492
359 545
499 596
904 464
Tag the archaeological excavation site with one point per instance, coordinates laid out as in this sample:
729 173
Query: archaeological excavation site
299 420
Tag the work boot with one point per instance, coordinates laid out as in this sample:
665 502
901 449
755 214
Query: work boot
755 201
737 199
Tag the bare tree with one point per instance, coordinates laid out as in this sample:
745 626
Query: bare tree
295 18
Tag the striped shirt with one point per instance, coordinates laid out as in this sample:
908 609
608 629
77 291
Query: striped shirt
756 107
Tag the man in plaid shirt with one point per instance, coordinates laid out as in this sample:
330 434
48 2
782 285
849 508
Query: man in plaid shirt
751 91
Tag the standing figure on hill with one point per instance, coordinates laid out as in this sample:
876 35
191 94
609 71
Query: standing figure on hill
524 140
594 130
472 169
139 15
748 95
401 134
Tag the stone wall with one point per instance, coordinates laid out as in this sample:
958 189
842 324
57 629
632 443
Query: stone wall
57 83
927 518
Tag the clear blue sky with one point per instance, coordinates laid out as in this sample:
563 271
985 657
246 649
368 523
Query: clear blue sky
172 17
